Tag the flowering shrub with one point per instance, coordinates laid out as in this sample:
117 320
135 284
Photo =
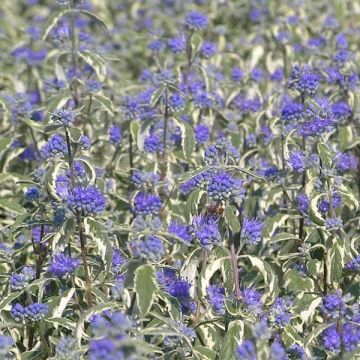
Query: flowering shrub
179 180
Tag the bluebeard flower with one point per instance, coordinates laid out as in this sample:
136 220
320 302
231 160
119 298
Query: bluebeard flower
180 230
146 204
130 108
202 133
208 49
20 281
142 180
62 266
151 248
203 100
56 146
291 111
195 20
261 331
297 161
247 105
63 117
32 193
304 79
87 199
105 349
36 311
153 143
67 348
251 231
280 311
222 152
246 351
36 232
333 304
176 342
59 216
216 298
237 74
18 312
176 102
115 135
332 339
345 161
84 142
252 299
257 74
323 206
20 106
341 110
297 352
278 75
354 264
177 44
93 85
302 202
6 343
333 223
62 184
222 186
180 289
118 260
277 351
157 46
205 229
342 56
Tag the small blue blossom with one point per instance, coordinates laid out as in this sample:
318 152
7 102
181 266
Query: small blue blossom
195 20
251 231
146 204
216 298
88 199
115 135
63 117
32 193
62 266
205 229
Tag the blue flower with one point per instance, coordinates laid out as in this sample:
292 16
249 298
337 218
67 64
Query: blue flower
151 248
146 204
205 229
176 102
21 281
208 49
222 186
302 202
195 20
202 133
246 351
62 266
216 298
36 311
56 146
180 230
251 231
32 193
88 199
115 135
64 117
237 74
177 44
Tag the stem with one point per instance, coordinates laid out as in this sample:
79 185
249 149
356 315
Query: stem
79 219
303 182
198 305
131 162
74 50
84 259
234 266
166 120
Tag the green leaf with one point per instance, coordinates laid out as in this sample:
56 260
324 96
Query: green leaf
232 337
100 236
272 224
314 212
205 353
12 206
325 154
105 102
295 282
96 62
75 134
232 219
39 127
54 19
335 260
192 202
145 286
5 142
8 299
95 18
188 141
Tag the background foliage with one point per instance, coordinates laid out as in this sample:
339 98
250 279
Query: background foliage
179 179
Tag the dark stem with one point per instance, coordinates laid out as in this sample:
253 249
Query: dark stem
303 182
131 160
234 266
198 305
164 165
